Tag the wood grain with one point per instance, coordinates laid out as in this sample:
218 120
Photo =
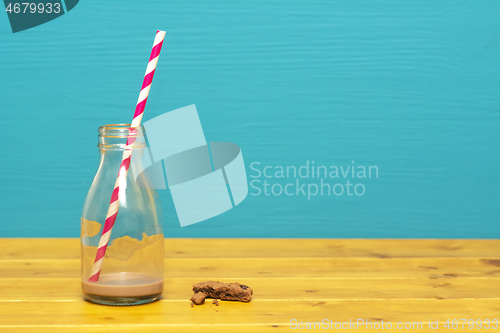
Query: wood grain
178 289
284 268
308 280
69 248
258 311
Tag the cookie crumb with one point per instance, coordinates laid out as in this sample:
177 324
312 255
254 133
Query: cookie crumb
216 302
192 305
199 298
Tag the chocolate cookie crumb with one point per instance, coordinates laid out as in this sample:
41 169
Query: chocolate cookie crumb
199 298
220 290
191 304
216 302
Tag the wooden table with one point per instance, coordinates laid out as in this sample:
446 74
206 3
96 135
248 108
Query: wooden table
308 280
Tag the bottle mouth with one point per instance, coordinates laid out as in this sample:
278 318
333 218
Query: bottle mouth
114 137
120 131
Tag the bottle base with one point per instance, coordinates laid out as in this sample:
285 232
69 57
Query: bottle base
119 300
124 288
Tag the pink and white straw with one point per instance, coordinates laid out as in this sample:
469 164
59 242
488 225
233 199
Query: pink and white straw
125 164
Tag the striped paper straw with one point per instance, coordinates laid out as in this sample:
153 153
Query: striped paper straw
125 164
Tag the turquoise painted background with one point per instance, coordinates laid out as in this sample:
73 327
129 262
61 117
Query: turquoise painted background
412 87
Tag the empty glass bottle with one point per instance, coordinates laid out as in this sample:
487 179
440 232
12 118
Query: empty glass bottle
132 268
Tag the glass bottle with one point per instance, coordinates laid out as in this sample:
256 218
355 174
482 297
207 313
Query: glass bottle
132 269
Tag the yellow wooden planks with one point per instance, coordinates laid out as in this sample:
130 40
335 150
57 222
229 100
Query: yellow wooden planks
254 312
228 268
68 289
307 280
220 328
69 248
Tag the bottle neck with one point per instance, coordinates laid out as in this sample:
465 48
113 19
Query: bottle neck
116 138
112 144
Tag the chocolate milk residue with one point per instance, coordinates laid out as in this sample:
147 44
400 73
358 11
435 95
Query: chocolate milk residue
124 285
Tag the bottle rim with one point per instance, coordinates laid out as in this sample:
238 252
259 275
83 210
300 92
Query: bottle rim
113 137
119 131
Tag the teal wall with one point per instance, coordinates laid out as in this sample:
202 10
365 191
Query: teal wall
412 87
